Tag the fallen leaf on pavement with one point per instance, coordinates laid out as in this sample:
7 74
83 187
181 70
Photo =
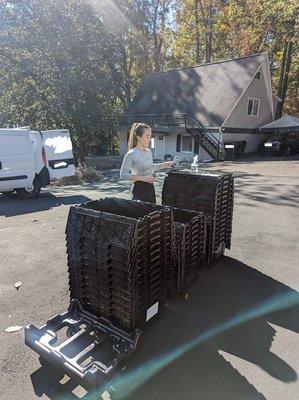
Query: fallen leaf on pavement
18 284
106 396
12 329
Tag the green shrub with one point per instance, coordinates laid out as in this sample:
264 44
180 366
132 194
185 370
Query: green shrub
88 174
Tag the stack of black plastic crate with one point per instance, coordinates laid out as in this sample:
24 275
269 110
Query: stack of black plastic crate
190 234
211 193
120 259
124 259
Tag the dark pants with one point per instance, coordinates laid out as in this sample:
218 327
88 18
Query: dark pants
144 191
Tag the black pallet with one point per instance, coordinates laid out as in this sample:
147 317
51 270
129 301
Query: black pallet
86 334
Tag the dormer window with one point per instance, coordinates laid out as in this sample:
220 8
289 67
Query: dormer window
253 106
257 75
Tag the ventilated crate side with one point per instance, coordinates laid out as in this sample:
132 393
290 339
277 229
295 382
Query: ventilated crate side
103 285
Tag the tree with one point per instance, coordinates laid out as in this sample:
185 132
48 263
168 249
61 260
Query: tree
57 63
195 26
70 63
157 15
250 27
286 66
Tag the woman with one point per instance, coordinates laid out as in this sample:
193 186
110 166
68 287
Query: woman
138 166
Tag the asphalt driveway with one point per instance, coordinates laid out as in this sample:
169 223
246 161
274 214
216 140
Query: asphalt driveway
235 336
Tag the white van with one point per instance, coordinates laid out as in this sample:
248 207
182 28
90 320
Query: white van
29 159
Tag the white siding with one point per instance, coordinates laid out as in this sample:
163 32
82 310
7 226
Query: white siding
239 119
170 148
171 144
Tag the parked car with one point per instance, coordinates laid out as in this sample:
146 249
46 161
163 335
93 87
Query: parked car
29 159
281 144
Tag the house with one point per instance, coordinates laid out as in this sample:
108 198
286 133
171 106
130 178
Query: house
199 109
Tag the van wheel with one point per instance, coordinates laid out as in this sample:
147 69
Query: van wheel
30 194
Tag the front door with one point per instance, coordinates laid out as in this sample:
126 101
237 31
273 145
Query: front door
159 147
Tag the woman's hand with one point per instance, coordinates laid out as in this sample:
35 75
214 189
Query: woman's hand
147 179
166 164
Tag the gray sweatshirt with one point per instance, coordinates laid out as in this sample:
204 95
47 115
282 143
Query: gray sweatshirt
138 162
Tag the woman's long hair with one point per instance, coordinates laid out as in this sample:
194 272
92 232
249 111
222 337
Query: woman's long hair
136 130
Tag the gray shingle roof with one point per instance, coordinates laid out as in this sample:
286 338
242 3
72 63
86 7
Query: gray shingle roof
288 122
207 92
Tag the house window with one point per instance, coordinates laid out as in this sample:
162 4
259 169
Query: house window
253 107
258 75
187 143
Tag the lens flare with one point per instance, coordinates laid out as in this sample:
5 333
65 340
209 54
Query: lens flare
129 382
113 17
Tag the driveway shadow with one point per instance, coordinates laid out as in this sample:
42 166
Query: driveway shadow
229 308
11 205
252 188
249 158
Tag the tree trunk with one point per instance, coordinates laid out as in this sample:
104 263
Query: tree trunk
284 75
157 58
125 64
156 39
197 43
209 29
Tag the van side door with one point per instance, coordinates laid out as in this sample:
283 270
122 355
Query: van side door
17 166
59 153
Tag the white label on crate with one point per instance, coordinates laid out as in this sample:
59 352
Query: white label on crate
152 311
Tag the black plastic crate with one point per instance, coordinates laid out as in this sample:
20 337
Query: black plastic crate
211 193
190 232
139 231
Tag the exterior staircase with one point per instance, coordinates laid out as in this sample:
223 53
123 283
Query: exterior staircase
206 139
